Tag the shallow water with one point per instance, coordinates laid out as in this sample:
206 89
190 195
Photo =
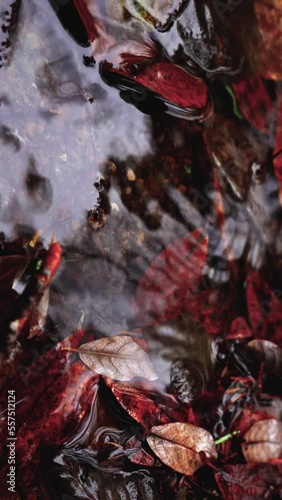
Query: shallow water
62 129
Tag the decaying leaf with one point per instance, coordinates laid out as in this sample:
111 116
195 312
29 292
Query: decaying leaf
263 441
119 357
150 408
268 353
178 445
38 315
250 481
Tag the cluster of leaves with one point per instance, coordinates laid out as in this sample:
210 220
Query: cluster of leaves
100 404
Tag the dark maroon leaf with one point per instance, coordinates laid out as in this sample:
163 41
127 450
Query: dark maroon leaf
142 71
250 481
255 102
171 280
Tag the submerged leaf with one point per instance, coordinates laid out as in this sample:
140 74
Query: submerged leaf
178 445
255 102
263 441
172 279
119 357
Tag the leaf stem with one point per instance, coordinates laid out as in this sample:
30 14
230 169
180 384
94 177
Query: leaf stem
226 438
236 110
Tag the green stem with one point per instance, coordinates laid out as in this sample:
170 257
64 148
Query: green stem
226 438
236 110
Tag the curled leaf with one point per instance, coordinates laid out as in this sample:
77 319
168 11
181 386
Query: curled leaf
119 357
263 441
178 445
168 85
150 408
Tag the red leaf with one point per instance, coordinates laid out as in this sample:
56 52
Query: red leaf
168 81
254 102
171 280
58 407
32 381
248 417
213 309
250 481
150 409
88 20
265 310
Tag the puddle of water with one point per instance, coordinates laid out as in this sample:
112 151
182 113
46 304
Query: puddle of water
69 144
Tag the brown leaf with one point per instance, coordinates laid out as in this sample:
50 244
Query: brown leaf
178 445
263 441
38 315
119 358
269 354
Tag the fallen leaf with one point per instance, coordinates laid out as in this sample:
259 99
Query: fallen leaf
119 357
250 481
264 308
263 441
269 354
171 280
148 408
255 102
178 445
38 315
169 85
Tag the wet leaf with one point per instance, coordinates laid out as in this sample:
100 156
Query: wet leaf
178 445
150 408
263 441
170 86
38 315
79 475
255 102
264 308
269 354
119 357
171 280
250 481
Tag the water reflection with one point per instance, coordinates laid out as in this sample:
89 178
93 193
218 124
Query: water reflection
116 187
61 128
